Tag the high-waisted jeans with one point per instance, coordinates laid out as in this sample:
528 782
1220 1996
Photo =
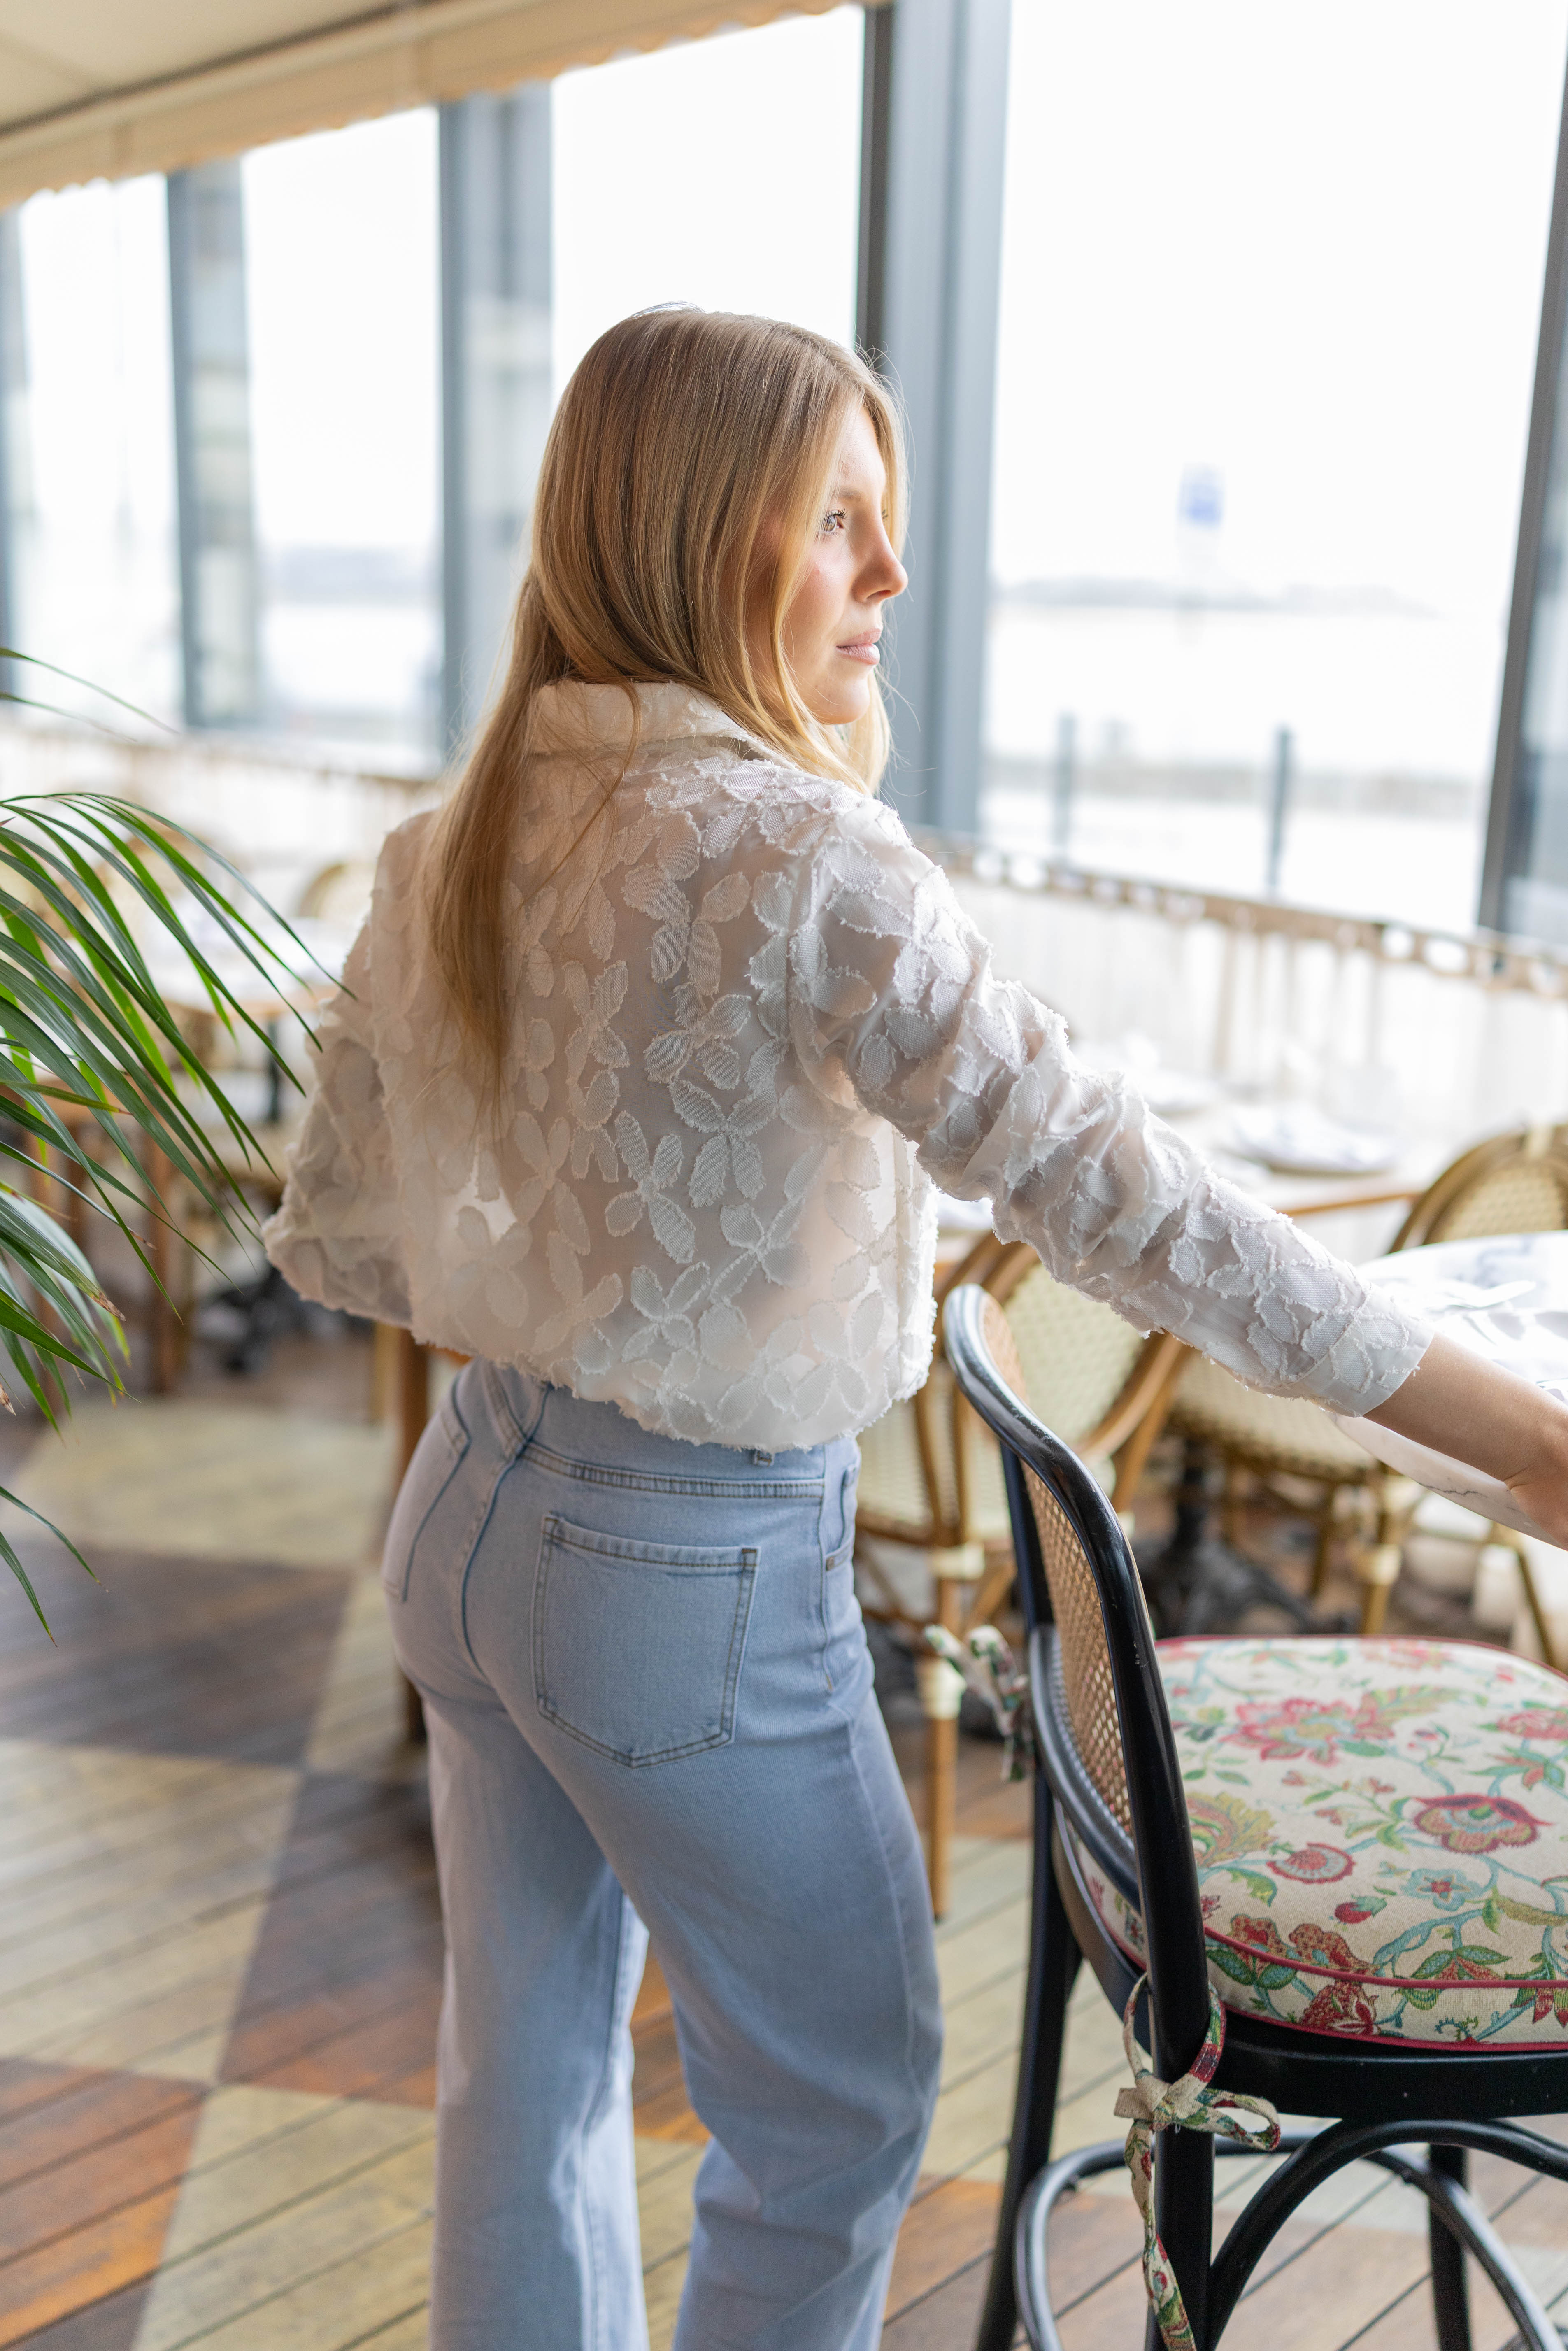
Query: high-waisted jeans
649 1708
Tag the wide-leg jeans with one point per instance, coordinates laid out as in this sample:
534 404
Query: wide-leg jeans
650 1709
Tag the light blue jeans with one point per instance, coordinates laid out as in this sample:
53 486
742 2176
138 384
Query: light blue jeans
650 1706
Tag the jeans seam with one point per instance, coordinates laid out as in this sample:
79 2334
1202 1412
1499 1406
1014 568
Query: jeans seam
595 2105
456 1453
892 1884
827 1556
509 1461
741 1489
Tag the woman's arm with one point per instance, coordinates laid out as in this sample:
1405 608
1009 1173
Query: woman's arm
336 1236
891 987
1457 1403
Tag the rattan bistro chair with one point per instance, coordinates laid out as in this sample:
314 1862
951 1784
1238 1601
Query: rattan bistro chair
1514 1183
930 1481
1169 1782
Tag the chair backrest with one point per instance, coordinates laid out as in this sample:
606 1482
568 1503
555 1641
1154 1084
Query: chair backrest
1514 1183
1089 1376
1106 1744
1075 1354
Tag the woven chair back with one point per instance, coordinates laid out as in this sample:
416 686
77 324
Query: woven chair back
1512 1184
1074 1602
1076 1355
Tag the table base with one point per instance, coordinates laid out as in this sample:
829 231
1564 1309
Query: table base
1196 1584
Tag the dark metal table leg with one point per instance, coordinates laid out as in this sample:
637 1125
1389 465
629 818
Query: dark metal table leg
1197 1585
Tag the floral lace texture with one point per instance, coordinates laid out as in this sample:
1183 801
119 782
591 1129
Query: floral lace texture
752 1028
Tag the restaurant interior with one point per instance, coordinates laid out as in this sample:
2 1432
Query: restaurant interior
1230 690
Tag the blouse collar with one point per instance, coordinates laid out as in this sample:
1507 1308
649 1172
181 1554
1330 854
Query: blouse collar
570 715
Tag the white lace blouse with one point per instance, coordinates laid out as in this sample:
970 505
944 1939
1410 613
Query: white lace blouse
753 1032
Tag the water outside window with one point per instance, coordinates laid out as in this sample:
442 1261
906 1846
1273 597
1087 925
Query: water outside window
1271 284
341 270
724 172
90 447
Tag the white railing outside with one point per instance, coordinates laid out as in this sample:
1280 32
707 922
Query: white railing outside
1446 1035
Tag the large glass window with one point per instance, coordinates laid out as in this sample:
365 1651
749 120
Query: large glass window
1271 283
341 265
91 454
723 171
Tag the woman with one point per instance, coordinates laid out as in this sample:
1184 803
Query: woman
648 1055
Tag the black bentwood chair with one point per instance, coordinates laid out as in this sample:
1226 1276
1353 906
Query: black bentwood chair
1165 1785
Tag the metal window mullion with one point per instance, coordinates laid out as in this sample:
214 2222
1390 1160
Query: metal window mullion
495 317
1508 817
948 115
219 590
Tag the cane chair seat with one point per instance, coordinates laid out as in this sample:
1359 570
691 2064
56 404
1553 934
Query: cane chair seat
1287 1433
1346 1886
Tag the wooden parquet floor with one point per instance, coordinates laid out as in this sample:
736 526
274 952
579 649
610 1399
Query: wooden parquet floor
220 1951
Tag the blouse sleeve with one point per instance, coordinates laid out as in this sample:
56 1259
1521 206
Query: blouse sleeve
336 1236
892 986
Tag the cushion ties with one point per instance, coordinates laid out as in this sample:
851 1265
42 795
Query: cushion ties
1153 2106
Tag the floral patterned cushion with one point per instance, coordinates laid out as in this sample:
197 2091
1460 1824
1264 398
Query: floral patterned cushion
1382 1836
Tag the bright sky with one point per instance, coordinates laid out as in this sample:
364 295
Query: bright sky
724 172
1301 245
345 336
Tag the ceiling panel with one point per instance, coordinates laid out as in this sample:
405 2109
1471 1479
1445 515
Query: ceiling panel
100 88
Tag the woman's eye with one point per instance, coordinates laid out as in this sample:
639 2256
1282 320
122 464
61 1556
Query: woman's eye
832 522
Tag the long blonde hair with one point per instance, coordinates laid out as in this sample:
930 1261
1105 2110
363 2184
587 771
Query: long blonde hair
683 479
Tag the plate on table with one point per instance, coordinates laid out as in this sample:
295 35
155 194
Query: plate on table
1295 1140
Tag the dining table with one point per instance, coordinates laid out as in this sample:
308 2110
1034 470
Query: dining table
1504 1298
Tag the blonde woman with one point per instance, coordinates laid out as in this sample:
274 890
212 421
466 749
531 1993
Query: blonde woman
649 1053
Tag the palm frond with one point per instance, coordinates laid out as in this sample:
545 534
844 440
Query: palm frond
89 1049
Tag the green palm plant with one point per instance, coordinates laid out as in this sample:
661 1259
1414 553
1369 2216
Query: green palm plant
89 1050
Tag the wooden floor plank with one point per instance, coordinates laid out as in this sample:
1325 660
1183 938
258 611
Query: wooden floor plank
946 2230
229 2282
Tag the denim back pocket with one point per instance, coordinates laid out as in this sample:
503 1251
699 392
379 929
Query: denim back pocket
842 1638
435 1463
637 1645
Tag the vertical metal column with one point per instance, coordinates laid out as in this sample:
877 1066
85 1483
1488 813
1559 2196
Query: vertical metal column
495 375
1532 725
218 596
876 107
941 289
13 469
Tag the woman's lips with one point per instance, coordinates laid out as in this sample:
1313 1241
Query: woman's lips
862 649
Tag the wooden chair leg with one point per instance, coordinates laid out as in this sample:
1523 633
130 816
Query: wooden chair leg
413 1412
1550 1648
1450 2289
163 1315
1324 1547
941 1687
1377 1563
1053 1959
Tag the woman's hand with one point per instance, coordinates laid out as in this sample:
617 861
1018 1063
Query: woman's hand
1457 1403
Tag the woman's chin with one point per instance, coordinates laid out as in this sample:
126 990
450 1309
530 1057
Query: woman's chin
840 706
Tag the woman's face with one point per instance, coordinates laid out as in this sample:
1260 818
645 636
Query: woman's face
834 620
